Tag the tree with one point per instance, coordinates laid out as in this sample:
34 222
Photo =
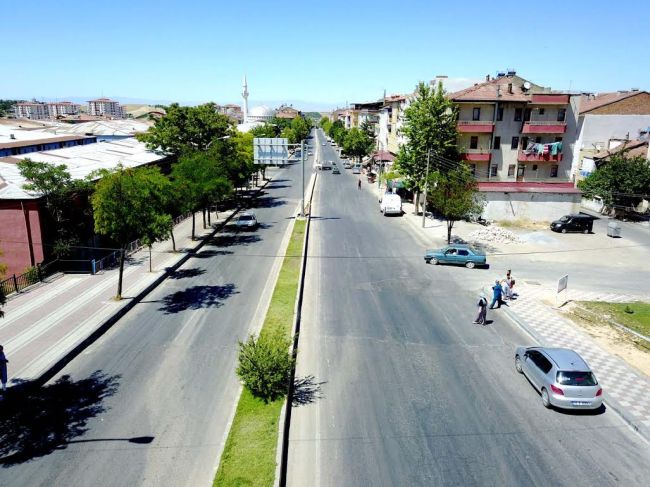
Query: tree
289 134
126 202
620 181
337 132
429 125
185 129
301 128
265 365
357 143
198 182
265 131
58 191
454 195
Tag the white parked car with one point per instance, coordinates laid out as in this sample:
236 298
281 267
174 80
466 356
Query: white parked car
391 204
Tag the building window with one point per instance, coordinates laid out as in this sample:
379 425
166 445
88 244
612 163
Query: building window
534 167
520 171
493 171
497 142
524 142
511 170
541 111
561 114
538 140
476 114
527 113
554 171
518 114
473 142
515 143
472 167
499 114
558 139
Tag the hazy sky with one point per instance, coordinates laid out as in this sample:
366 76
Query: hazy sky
323 53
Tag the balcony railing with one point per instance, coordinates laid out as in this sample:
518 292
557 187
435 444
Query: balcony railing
535 157
534 127
476 155
475 126
527 178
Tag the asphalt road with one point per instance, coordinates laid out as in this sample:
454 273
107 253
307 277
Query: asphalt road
400 388
149 402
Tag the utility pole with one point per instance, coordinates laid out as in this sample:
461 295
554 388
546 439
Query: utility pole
426 185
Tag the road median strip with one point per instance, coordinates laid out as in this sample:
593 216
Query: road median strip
249 456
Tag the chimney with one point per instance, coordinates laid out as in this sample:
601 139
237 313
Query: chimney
12 136
498 90
510 88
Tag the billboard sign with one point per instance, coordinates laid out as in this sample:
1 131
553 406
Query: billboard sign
270 151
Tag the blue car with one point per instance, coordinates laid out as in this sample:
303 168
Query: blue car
459 254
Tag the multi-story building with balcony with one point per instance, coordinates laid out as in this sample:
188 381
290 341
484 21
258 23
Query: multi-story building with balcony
104 107
58 109
32 110
513 130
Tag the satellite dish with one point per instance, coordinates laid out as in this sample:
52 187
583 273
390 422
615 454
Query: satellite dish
526 85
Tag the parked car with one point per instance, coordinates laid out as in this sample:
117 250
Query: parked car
246 221
573 223
346 164
391 204
460 254
356 169
561 376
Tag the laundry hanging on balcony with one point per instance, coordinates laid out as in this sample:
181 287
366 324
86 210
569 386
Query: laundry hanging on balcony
553 149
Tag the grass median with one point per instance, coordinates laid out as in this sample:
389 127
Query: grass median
250 452
635 316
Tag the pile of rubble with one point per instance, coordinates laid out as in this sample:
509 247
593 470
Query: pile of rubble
494 234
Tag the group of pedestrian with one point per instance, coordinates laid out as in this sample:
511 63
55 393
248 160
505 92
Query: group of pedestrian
502 290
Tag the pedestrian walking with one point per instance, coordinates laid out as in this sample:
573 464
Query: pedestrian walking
359 185
505 285
497 295
481 317
3 369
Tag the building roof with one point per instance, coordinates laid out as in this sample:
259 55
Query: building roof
497 89
80 160
261 111
383 156
101 127
13 136
527 187
631 148
592 102
105 100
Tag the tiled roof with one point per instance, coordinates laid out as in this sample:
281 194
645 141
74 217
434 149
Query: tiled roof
527 187
591 102
497 90
632 148
48 140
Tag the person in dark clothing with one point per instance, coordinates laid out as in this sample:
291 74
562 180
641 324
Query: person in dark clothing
497 291
481 317
359 185
3 369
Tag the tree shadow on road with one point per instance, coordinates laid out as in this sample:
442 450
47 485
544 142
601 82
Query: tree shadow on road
35 421
197 297
206 254
306 391
186 273
269 202
231 240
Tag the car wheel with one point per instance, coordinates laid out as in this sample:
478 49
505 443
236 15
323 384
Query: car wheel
470 265
546 400
434 261
586 231
518 367
564 230
428 261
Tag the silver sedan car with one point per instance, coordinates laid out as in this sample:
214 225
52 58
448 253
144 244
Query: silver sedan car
561 376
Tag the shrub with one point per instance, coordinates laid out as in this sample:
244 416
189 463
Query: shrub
265 365
628 310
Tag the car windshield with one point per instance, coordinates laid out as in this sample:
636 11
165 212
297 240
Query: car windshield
566 378
564 219
245 218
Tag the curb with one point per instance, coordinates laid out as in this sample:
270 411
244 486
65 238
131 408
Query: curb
609 402
285 415
109 322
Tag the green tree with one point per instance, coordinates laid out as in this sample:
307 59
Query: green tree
126 202
357 143
337 132
59 191
185 129
620 181
289 134
198 182
454 195
429 125
265 365
265 131
301 128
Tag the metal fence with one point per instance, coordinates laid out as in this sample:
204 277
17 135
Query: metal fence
17 283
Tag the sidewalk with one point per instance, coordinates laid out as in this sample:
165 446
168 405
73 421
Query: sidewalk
625 388
47 325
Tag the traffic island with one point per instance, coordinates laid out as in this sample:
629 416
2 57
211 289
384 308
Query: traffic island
250 453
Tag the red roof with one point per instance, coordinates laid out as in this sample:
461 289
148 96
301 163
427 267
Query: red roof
498 89
591 102
527 187
383 156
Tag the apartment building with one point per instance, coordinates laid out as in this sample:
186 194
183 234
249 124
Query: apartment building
31 110
391 116
104 107
62 109
513 130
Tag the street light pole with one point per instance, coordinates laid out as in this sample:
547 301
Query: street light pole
426 185
302 159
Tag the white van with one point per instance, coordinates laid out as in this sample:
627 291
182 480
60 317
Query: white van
391 204
356 169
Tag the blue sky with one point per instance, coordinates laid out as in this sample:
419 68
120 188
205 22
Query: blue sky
316 54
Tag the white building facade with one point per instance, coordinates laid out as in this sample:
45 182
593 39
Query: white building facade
104 107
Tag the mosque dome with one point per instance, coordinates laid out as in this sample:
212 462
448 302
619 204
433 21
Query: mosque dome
260 113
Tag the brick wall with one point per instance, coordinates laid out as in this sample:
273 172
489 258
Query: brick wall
14 241
633 105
